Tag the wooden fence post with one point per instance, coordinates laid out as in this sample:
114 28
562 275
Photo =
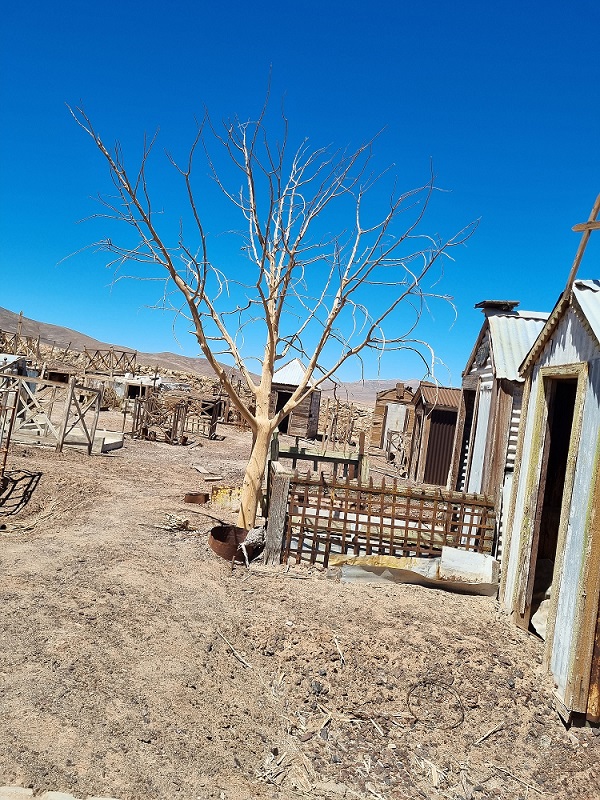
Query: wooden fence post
62 431
363 461
278 504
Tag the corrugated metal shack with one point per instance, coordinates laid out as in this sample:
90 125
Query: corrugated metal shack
490 407
551 575
304 419
435 415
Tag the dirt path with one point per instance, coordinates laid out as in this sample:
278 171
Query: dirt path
118 674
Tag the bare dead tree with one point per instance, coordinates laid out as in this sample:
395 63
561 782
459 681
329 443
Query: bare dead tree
321 296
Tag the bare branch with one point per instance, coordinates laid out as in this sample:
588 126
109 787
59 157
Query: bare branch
326 297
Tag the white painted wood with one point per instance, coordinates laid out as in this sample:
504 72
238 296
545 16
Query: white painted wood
479 440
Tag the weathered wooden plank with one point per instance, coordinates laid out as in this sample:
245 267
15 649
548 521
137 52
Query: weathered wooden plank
278 505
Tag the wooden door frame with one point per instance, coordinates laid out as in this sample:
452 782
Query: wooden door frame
534 493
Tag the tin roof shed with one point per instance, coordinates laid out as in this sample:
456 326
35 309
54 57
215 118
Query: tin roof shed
290 374
551 578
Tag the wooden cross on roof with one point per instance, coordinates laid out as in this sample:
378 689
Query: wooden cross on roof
585 228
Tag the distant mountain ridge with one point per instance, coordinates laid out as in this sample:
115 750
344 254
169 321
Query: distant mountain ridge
50 334
67 337
360 392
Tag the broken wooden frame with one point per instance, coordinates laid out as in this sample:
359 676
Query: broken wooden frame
152 419
397 450
8 408
338 423
38 411
205 415
311 518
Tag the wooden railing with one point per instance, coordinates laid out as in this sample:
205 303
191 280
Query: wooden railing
336 464
110 362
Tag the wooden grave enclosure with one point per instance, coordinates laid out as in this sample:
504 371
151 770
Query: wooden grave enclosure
39 411
153 419
110 362
338 423
316 518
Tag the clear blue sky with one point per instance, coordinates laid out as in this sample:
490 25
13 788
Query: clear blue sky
504 97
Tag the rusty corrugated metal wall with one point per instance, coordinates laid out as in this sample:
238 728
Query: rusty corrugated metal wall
442 425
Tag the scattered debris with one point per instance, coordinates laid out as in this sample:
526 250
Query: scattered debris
239 657
176 523
338 648
490 733
436 704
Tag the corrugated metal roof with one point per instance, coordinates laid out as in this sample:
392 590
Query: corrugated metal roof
587 294
290 374
513 336
441 396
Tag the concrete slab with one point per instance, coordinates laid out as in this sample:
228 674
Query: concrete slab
14 793
104 440
463 565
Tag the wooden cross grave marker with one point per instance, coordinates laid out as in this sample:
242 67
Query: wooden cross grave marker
585 228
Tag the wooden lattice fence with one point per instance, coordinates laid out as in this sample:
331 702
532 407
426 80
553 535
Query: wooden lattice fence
323 518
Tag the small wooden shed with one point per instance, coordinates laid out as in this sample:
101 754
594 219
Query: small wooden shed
490 406
392 412
435 416
552 550
304 419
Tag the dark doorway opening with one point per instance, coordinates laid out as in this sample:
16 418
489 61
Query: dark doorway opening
282 398
439 447
133 390
561 395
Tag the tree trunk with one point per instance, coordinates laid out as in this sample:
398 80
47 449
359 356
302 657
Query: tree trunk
252 485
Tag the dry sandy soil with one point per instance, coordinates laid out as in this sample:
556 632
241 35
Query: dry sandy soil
122 644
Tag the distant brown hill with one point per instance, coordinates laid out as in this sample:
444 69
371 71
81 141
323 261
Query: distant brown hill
66 337
359 392
50 334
